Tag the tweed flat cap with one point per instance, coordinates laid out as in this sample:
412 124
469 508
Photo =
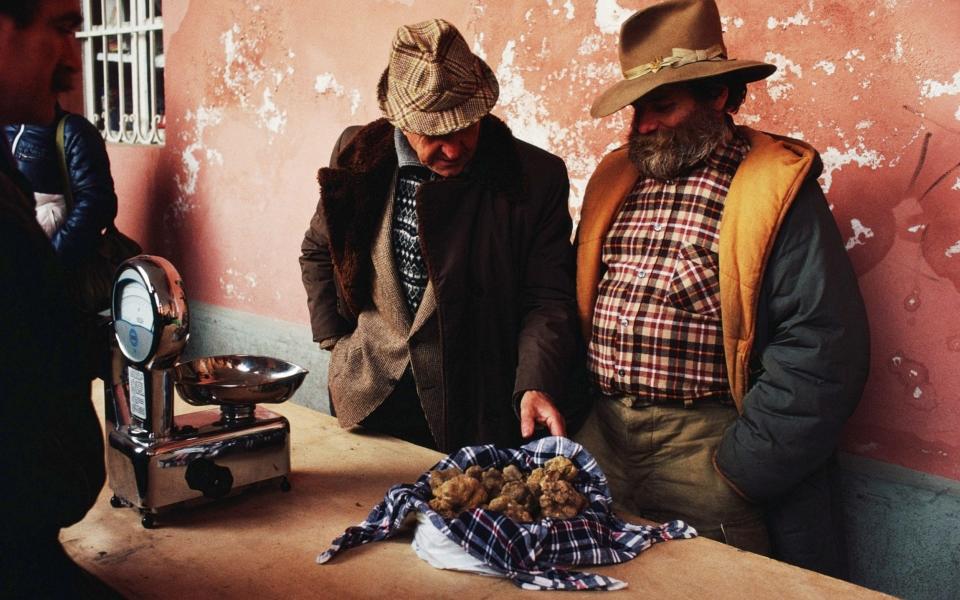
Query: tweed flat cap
433 84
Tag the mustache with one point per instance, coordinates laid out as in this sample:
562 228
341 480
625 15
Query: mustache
63 79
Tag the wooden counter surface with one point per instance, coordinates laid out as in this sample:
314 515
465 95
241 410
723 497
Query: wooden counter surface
263 543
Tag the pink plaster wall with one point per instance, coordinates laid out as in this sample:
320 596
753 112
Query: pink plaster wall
258 90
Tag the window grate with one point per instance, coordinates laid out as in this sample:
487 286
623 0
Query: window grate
123 65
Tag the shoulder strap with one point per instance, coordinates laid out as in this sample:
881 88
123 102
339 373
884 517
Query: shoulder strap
64 171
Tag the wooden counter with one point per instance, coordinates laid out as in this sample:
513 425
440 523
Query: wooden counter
263 543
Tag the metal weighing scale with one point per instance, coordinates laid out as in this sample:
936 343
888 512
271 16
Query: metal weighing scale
156 460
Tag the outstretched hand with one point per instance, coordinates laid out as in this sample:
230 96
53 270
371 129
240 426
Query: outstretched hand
537 408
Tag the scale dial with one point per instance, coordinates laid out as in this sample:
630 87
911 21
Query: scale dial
135 317
149 311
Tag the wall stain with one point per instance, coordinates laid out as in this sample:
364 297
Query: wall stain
912 302
953 343
915 379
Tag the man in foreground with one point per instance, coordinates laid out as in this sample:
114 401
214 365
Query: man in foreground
51 446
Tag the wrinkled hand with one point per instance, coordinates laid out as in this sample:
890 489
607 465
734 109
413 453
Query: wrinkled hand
537 407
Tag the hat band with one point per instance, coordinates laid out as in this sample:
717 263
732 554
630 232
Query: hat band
679 58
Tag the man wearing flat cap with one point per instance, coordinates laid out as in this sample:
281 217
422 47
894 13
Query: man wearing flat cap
438 265
728 341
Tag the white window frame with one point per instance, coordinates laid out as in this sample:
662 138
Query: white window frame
134 38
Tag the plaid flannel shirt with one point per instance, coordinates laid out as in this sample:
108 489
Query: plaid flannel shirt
532 555
656 327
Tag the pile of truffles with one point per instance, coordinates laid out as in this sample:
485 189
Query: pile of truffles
547 492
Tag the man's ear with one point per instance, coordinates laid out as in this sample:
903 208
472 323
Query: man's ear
720 100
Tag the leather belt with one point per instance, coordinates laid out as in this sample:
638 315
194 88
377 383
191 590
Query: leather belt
633 401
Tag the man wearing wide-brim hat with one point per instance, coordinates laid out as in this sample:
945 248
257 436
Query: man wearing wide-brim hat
438 265
728 341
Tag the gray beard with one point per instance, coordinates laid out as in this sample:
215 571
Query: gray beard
669 152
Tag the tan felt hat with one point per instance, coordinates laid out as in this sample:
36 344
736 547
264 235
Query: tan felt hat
672 42
434 84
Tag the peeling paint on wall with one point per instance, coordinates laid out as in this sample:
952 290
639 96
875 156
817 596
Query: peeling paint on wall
860 233
777 84
270 116
590 45
953 250
827 66
526 110
915 379
935 89
193 155
798 19
249 80
725 22
238 284
834 160
609 15
326 85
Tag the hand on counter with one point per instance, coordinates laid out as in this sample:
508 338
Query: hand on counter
537 407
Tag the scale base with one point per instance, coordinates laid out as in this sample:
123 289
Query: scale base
204 459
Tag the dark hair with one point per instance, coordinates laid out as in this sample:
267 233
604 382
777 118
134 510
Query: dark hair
23 12
705 90
382 86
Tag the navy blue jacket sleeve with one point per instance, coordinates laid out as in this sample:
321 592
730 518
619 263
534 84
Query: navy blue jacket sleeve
94 199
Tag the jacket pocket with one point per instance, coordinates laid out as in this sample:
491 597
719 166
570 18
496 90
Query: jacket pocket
340 355
695 285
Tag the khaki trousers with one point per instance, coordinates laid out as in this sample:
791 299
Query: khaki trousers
658 462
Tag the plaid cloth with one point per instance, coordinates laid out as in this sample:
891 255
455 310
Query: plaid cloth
656 325
530 554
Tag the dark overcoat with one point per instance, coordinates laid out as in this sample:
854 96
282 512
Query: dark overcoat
496 243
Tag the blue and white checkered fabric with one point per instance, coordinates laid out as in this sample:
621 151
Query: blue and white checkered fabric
527 553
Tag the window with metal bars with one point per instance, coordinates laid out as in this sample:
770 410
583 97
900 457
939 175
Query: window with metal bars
123 62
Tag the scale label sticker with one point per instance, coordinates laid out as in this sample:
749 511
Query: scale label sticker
138 393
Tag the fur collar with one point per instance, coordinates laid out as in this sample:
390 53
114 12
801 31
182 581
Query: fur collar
354 194
496 163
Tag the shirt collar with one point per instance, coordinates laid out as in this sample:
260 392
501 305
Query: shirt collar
406 157
728 155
